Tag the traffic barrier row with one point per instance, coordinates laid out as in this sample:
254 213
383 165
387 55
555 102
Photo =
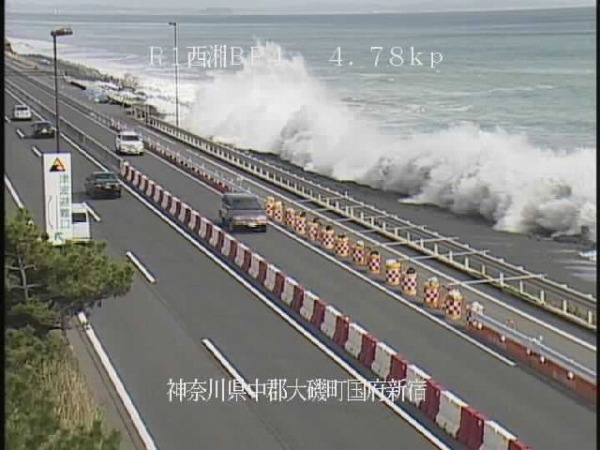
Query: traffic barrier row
394 273
436 297
175 158
441 406
577 379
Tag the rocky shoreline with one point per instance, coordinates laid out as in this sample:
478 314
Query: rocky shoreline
78 72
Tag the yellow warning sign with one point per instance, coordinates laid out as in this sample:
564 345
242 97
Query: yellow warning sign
57 166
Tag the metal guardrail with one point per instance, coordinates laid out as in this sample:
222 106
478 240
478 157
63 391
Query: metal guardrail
558 298
533 344
234 180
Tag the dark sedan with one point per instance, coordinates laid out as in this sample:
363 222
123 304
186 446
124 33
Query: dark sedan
42 130
102 185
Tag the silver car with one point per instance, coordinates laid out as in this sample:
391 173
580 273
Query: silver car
242 210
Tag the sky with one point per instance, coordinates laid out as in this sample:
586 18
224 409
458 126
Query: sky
283 6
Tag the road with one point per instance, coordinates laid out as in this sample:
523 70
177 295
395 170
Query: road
508 394
553 334
154 334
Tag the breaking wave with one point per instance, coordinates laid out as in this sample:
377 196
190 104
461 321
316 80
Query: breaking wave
276 106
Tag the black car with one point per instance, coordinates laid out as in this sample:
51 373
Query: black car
102 184
242 210
42 129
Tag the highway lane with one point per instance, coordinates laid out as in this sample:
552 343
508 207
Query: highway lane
495 310
128 328
573 349
498 312
152 339
506 394
558 260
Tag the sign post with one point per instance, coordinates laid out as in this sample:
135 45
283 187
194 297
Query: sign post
58 197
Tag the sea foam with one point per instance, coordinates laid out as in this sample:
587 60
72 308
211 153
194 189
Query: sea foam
277 106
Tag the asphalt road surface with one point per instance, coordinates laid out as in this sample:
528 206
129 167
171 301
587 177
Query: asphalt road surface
542 415
154 334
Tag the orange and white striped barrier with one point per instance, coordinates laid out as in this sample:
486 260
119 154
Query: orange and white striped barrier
342 246
314 227
374 262
409 282
269 206
453 305
290 218
431 293
278 212
393 272
328 238
300 226
358 254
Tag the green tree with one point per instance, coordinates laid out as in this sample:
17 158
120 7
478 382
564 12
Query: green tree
45 284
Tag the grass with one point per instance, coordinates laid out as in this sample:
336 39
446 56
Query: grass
75 404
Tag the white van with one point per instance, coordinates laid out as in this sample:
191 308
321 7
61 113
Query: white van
81 222
129 142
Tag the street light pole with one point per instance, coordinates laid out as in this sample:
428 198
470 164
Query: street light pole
55 34
174 25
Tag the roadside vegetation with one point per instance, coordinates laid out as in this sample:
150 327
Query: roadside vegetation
47 403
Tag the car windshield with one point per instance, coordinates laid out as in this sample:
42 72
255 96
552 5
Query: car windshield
22 108
129 137
245 203
105 177
79 217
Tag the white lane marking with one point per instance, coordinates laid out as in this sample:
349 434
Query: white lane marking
114 377
117 383
93 213
13 192
136 262
479 293
19 133
469 339
6 119
229 368
339 361
363 277
35 150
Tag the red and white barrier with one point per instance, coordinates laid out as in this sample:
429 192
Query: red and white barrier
445 409
308 305
330 320
382 362
414 377
355 339
448 417
270 278
289 287
495 437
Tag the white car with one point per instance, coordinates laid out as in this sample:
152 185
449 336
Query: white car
130 143
22 112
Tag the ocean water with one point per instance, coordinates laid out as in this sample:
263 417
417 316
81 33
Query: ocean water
499 120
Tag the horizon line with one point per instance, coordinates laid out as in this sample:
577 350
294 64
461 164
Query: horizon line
235 12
